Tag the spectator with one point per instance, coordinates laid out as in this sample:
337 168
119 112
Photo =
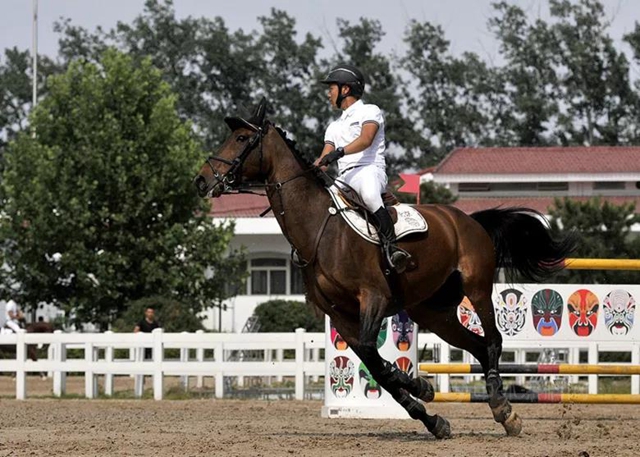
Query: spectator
147 325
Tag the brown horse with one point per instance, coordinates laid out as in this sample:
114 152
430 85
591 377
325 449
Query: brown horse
32 350
347 278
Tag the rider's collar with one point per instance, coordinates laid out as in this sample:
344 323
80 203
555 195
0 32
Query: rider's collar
349 111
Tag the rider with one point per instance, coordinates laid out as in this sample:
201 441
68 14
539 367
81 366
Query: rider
357 141
13 316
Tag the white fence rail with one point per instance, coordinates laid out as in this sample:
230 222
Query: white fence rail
305 363
99 358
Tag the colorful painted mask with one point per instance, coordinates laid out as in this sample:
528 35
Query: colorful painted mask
341 372
469 318
618 308
402 330
370 387
546 310
336 339
511 311
583 312
382 335
404 364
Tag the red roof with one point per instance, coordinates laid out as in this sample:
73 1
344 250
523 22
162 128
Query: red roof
553 160
240 205
470 205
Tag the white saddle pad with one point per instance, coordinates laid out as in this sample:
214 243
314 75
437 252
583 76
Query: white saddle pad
409 219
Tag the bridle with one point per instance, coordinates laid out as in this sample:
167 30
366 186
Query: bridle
230 180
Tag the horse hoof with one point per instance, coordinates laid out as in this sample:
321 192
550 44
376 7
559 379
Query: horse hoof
442 429
425 390
513 425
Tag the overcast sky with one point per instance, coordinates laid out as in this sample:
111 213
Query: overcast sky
465 21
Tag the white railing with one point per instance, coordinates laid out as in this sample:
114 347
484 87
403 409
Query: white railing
305 363
99 358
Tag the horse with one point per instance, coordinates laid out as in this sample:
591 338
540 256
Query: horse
32 350
347 278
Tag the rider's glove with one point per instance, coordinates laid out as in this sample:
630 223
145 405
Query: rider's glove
331 157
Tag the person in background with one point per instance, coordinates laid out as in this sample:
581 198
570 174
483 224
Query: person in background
147 325
13 315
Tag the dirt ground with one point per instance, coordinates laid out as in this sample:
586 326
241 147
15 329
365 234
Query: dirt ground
73 427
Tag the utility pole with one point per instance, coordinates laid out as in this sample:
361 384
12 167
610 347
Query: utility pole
34 59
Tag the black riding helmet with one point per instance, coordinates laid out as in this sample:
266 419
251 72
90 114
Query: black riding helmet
346 75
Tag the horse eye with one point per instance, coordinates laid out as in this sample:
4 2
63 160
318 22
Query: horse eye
241 138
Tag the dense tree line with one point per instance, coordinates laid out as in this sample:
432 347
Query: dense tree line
561 82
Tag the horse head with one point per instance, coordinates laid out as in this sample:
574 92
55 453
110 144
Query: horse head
241 156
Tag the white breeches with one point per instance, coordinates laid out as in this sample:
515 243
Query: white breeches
369 181
13 325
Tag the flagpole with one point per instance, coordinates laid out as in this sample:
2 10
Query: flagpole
34 59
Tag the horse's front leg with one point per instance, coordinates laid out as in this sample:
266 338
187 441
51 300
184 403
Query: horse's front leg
398 383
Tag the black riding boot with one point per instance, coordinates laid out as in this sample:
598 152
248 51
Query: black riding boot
396 257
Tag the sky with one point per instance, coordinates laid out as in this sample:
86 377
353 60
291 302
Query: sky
464 21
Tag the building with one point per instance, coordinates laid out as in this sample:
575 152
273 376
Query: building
480 177
532 177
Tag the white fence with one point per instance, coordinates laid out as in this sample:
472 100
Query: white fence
305 345
99 357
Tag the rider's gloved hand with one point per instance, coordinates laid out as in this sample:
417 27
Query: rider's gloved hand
331 157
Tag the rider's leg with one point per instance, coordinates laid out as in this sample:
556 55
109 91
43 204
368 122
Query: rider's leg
13 325
370 182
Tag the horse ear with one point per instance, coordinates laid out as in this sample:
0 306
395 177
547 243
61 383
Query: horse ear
258 115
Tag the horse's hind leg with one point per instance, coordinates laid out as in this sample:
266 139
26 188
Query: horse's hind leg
395 381
480 297
443 321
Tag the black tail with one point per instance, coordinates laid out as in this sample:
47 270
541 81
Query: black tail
523 243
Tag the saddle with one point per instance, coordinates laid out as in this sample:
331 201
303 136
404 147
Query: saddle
405 218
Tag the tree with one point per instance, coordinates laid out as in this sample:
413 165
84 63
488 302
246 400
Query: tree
16 96
99 209
604 231
287 316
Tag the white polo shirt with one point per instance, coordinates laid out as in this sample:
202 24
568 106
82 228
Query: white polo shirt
348 127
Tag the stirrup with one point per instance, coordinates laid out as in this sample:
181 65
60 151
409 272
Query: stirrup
397 258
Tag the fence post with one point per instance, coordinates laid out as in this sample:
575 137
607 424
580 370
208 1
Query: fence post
635 360
279 358
21 374
200 358
108 377
59 356
593 360
218 357
300 363
138 385
445 357
184 357
315 356
158 356
89 377
574 359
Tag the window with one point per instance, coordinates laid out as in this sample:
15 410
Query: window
268 276
553 186
608 185
473 187
297 284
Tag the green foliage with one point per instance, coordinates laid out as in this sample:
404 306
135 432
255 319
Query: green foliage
604 231
172 315
287 316
99 208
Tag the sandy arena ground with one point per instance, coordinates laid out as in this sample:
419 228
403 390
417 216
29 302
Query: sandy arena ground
69 427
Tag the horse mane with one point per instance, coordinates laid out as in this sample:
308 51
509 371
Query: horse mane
306 160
